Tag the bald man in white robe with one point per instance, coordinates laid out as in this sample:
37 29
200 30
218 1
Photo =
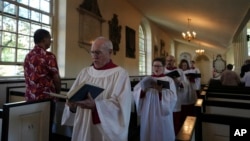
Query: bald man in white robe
105 118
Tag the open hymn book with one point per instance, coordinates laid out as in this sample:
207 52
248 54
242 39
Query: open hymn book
149 82
80 92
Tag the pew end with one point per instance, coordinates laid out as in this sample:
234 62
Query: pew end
187 132
27 121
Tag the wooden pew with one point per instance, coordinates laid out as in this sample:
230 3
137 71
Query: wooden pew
215 86
187 132
27 121
15 94
219 118
233 97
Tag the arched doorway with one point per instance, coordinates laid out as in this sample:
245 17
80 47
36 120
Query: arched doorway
206 68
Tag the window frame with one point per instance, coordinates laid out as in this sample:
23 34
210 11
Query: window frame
20 47
142 51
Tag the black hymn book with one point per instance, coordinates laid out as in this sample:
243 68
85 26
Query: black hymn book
173 74
194 75
164 84
81 92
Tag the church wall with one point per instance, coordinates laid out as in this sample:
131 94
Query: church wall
72 58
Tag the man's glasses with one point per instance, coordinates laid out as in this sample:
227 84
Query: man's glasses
95 52
157 66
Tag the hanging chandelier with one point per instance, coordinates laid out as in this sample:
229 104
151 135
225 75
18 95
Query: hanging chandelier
199 51
189 35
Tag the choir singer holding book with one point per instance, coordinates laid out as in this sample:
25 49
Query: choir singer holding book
106 117
155 98
181 84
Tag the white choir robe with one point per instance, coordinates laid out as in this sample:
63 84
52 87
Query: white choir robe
197 80
190 97
246 79
113 106
181 91
156 116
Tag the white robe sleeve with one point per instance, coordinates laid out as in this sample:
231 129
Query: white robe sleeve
67 116
137 99
169 98
114 113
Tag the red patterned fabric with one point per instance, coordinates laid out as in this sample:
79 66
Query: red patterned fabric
39 68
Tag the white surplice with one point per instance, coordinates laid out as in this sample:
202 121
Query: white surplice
113 106
156 116
182 90
190 97
197 80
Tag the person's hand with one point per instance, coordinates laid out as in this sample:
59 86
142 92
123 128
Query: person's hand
158 87
72 106
177 81
88 103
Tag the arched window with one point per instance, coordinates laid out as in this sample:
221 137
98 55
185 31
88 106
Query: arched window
19 19
142 51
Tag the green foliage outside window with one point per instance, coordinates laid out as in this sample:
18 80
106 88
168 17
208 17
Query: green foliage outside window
19 19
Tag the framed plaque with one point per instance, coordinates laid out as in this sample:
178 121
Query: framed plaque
90 27
219 64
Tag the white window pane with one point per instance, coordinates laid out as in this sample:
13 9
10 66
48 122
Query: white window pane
34 4
8 54
9 8
9 24
45 19
1 22
9 39
24 27
45 5
11 70
23 42
35 16
23 12
25 2
1 35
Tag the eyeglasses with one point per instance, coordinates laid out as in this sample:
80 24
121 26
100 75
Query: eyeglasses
157 66
95 52
169 60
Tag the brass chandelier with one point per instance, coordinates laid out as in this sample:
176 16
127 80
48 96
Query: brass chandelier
189 35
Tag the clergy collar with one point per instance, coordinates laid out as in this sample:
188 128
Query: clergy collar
161 75
171 68
109 65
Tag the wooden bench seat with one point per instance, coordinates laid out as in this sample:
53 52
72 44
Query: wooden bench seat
219 117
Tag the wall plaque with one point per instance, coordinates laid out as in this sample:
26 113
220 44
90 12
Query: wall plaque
90 23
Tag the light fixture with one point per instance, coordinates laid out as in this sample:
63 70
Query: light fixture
199 51
189 35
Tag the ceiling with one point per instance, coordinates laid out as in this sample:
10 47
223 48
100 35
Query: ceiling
216 22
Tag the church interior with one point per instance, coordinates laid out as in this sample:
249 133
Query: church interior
212 33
